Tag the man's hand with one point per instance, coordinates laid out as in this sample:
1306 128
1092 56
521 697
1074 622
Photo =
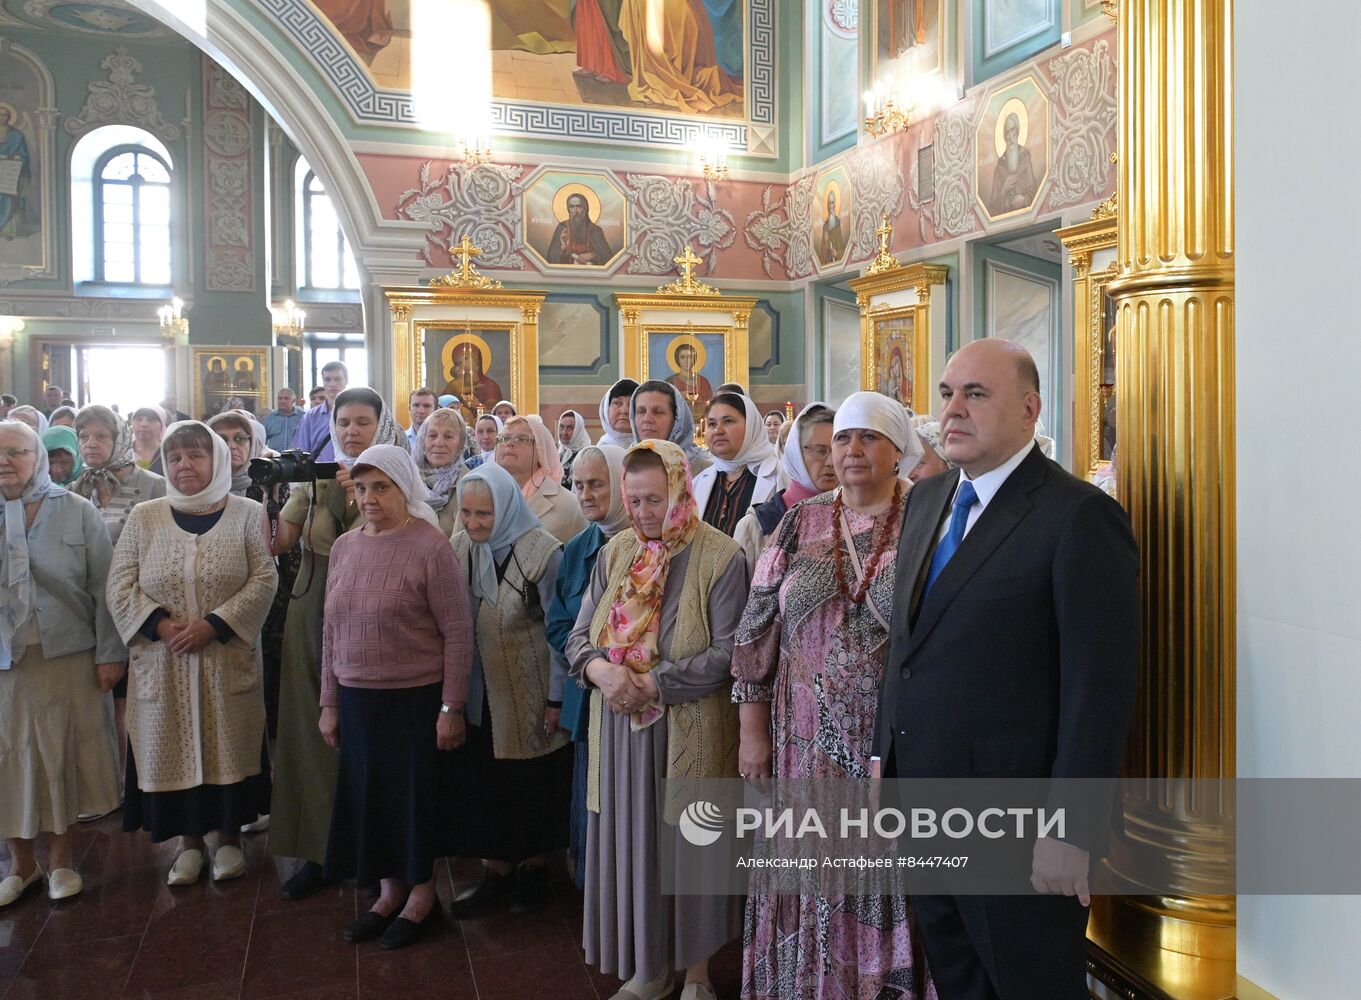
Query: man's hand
1059 867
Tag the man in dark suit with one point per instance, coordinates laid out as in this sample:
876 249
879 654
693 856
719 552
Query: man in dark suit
1014 653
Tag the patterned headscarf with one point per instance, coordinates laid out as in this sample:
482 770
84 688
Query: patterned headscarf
387 432
16 582
511 519
63 438
99 481
631 631
441 481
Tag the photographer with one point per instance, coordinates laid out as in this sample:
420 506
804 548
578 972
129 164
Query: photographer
318 512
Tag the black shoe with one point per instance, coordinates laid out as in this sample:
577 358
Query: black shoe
483 898
306 881
529 890
369 926
404 932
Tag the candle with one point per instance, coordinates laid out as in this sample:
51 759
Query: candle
789 409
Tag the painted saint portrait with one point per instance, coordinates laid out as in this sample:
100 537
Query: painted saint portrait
893 360
472 364
906 38
1012 149
832 216
26 236
692 362
230 378
574 219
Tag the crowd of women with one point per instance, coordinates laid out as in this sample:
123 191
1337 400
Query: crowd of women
493 642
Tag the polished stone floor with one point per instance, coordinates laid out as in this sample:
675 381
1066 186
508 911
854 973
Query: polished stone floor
130 936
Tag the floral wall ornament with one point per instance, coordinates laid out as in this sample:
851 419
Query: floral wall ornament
1083 134
228 141
665 214
121 100
879 190
781 231
950 212
484 202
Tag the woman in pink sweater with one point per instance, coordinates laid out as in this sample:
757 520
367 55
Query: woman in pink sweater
396 654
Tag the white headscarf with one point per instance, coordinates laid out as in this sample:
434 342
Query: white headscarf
511 519
876 412
397 464
221 483
240 480
580 439
756 448
1048 447
38 415
930 431
16 583
612 436
617 519
388 431
488 456
793 449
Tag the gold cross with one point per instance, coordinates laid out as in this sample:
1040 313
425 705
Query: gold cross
465 251
687 262
884 232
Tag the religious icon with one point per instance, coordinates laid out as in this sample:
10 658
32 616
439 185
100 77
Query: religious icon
16 173
1012 149
574 219
893 361
27 164
692 362
834 199
243 380
472 363
230 378
906 37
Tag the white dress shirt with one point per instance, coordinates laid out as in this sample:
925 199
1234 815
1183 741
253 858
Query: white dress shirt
986 486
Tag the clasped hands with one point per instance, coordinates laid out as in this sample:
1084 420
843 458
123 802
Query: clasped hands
185 637
624 690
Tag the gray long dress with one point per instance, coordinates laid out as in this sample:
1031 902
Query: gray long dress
628 927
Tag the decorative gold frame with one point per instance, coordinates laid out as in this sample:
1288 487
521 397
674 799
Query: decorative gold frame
416 310
1089 288
707 312
259 357
919 278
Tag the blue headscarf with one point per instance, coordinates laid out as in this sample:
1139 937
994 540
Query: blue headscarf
16 582
513 519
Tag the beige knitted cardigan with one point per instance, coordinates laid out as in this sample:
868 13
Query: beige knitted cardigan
195 718
701 736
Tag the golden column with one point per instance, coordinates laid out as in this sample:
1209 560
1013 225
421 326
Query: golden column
1175 472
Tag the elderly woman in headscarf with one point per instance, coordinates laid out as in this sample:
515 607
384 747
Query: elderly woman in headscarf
395 658
148 425
512 780
486 429
774 420
112 480
808 665
60 656
318 514
504 410
808 464
616 414
439 456
597 481
933 461
30 415
191 583
745 465
572 437
63 454
653 643
526 450
62 416
658 412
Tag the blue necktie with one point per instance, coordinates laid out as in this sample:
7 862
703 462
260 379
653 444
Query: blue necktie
964 499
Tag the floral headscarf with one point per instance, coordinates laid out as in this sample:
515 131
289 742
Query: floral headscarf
99 480
441 481
388 430
630 633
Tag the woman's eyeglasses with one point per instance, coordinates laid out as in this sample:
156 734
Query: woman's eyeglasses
519 439
816 450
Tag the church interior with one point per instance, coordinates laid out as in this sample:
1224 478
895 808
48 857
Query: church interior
203 202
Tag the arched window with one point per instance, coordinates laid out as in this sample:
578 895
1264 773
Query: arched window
325 261
132 217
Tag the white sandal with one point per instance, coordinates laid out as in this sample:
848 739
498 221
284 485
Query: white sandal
187 868
13 888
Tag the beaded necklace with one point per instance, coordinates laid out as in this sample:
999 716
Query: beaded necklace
857 596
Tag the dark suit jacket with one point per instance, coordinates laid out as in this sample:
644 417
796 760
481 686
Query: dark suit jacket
1023 659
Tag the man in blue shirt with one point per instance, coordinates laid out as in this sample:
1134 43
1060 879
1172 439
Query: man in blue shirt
314 433
283 423
420 404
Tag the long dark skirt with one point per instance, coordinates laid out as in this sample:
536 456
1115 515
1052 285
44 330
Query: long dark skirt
389 812
580 772
194 812
507 810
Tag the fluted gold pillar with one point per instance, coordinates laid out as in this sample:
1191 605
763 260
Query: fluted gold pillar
1175 472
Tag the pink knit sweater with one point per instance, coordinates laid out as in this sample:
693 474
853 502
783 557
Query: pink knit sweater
397 614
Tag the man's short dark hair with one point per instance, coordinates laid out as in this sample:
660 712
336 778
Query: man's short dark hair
422 391
8 400
732 387
334 366
1030 375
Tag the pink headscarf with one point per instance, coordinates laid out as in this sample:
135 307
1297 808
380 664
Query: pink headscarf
547 463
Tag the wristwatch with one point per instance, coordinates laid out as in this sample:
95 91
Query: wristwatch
447 709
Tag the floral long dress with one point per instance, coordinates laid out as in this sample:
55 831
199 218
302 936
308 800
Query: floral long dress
818 659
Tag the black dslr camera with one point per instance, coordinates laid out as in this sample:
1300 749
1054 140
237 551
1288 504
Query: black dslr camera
292 466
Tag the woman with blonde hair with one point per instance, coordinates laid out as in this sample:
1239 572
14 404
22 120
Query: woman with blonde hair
653 643
438 454
527 451
512 780
191 583
60 656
